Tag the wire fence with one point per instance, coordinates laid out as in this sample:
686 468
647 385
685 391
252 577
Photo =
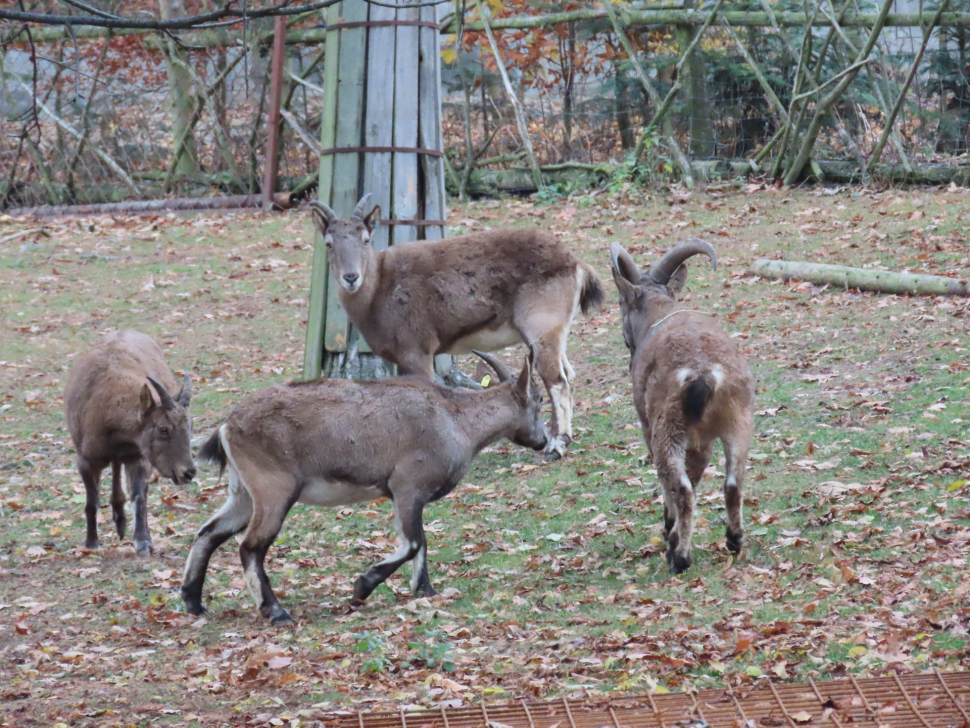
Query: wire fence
136 116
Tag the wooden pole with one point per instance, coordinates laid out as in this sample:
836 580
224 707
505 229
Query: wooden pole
272 163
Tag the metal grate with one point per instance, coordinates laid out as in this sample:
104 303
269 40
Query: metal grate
928 700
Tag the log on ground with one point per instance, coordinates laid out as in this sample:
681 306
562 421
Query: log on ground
864 279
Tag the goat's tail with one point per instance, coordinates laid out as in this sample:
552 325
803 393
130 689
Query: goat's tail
591 295
213 451
697 389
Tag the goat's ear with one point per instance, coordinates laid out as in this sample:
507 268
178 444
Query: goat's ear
319 220
629 293
148 402
676 283
373 218
524 382
623 264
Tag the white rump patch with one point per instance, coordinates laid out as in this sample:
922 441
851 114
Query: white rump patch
487 340
718 373
683 375
329 493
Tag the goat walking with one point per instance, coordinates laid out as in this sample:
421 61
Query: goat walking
483 291
120 413
691 386
335 442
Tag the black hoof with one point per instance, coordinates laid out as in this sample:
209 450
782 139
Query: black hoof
280 617
734 542
144 547
425 590
92 545
676 563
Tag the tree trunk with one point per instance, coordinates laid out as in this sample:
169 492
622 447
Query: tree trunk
881 281
569 72
624 113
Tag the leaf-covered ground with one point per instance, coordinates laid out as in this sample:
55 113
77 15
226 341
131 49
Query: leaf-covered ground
857 509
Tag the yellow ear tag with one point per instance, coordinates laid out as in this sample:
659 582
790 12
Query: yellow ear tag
486 379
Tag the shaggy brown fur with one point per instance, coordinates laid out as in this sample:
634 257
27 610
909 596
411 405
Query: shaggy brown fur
481 291
691 386
120 413
335 442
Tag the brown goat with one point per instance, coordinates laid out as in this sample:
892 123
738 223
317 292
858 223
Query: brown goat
120 413
691 386
483 291
336 442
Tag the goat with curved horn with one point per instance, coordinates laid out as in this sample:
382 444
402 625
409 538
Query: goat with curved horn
691 387
664 268
185 394
485 291
359 209
504 373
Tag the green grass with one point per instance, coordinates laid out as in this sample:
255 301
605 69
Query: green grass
555 573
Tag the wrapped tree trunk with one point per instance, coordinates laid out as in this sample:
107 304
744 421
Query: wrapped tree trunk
181 97
380 134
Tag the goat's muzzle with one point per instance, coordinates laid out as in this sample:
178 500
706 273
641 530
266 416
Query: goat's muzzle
350 282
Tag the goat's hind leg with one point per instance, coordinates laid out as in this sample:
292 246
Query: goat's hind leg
551 364
229 520
735 456
678 502
408 519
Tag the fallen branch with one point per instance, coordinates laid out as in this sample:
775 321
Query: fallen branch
300 131
21 234
881 281
152 206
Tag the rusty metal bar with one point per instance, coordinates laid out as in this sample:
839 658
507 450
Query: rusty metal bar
696 707
737 705
444 716
528 714
821 700
865 700
485 714
616 721
781 705
273 125
656 712
909 700
360 719
950 694
569 713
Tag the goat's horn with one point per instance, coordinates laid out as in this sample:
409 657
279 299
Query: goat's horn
664 268
164 397
185 395
359 210
504 373
329 214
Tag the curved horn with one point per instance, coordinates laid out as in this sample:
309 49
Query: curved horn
164 397
186 392
664 268
504 373
329 214
359 210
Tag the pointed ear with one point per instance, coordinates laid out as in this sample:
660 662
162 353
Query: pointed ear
623 264
147 399
373 218
629 293
676 283
523 385
185 394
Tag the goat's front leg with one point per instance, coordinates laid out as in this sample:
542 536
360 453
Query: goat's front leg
138 473
118 500
91 475
408 508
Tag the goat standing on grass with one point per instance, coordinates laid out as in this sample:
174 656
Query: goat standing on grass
484 291
691 386
335 442
120 413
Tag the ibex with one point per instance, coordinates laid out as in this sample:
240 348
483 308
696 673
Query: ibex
336 442
691 386
482 291
120 413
